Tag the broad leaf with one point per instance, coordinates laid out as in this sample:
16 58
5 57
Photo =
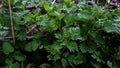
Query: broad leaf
72 46
32 46
7 48
19 56
87 47
97 56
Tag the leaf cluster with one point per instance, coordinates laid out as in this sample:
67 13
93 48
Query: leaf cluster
52 35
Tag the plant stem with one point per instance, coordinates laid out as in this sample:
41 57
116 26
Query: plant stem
11 21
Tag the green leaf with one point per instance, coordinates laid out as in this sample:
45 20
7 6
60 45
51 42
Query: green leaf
54 49
72 46
36 12
47 7
79 59
28 66
97 37
64 62
19 56
84 16
32 46
48 24
111 27
45 65
97 56
16 65
10 63
76 59
69 19
56 57
58 36
56 14
52 25
8 60
42 20
118 54
87 47
7 48
73 33
109 64
57 64
96 65
69 3
71 59
21 35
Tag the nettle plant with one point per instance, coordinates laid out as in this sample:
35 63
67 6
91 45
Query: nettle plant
52 35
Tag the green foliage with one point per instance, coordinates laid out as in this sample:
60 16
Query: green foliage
32 46
53 35
7 48
19 56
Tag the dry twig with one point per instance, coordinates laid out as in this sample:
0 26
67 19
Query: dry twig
11 21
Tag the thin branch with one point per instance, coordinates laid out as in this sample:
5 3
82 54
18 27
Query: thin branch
31 29
11 21
53 2
9 38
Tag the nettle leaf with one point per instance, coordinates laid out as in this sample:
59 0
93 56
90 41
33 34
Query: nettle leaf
99 12
57 48
32 46
76 59
69 19
118 54
48 24
42 20
7 48
10 64
116 12
28 66
73 33
97 37
21 35
19 56
70 59
84 16
4 19
56 57
54 49
47 7
56 14
112 27
52 25
96 65
97 56
3 32
87 47
36 12
64 63
15 65
110 64
59 36
79 59
45 65
72 46
28 18
69 3
8 60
